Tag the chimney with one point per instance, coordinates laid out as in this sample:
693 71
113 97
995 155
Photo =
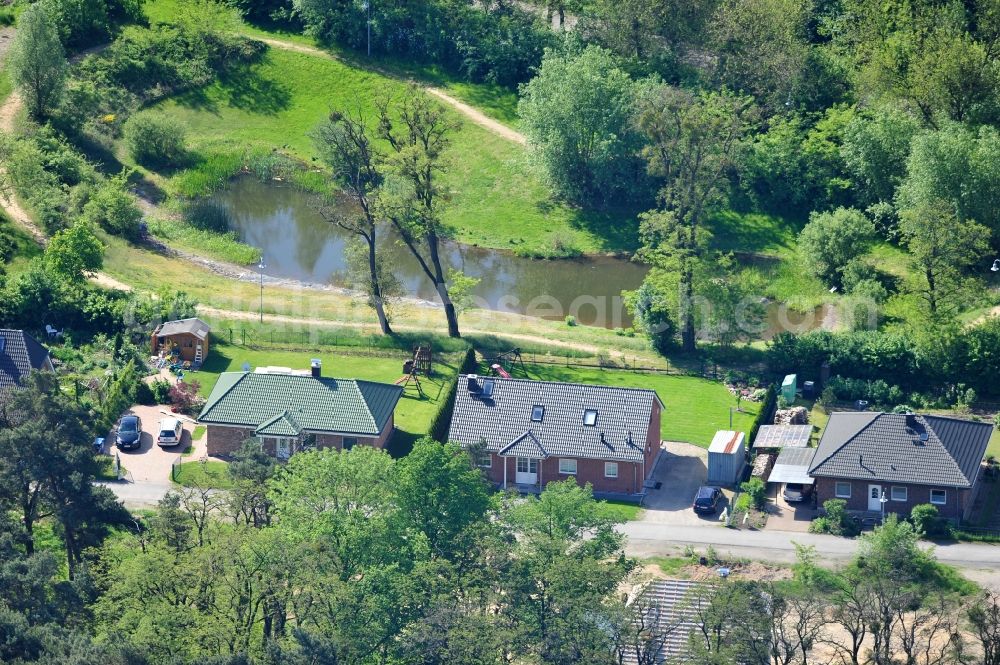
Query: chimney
316 368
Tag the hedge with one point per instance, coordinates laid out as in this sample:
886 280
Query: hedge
442 419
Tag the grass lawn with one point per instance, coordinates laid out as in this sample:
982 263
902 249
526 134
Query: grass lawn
107 472
994 446
497 201
620 511
5 85
670 565
695 409
413 413
203 474
198 432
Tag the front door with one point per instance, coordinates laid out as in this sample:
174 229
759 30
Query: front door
527 471
875 498
283 448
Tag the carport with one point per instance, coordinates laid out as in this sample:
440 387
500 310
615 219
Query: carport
792 466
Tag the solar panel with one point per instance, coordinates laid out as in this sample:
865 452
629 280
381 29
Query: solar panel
783 436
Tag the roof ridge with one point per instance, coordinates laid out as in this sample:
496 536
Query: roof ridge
570 383
364 399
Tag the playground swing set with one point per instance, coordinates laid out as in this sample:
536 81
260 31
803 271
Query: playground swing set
419 364
503 363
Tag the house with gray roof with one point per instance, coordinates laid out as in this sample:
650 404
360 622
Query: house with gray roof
289 411
20 354
892 462
528 433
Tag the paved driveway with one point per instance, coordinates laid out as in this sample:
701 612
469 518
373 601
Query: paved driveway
784 516
681 471
150 462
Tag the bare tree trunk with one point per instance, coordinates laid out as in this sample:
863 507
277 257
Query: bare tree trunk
442 286
377 300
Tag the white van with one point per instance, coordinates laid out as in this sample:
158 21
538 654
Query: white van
170 432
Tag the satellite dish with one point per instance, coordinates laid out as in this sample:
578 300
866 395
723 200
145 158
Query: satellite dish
246 367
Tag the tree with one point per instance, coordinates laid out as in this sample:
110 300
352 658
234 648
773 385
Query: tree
114 208
832 240
875 150
36 60
942 249
761 48
957 164
984 617
734 623
46 470
693 140
250 469
578 114
440 493
417 130
358 166
75 251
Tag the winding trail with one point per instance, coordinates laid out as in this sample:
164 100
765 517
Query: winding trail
473 114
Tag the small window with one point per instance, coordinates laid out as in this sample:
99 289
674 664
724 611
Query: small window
611 469
567 467
537 413
484 461
843 490
350 442
487 387
590 417
939 497
899 493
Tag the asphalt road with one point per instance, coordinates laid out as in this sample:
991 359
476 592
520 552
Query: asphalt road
980 561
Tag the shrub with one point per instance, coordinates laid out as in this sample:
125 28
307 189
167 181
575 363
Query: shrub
756 490
832 240
184 396
928 521
161 391
836 521
155 140
571 320
144 394
114 208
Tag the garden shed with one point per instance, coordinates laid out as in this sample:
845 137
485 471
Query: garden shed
727 457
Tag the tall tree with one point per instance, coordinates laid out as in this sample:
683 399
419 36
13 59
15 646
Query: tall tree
417 130
358 167
693 141
37 61
942 250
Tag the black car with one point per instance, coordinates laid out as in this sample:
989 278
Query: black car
797 492
706 501
129 433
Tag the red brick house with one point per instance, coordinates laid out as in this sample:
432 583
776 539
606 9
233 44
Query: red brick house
892 462
528 433
291 411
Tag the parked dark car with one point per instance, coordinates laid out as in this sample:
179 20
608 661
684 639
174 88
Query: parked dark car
129 433
706 501
797 492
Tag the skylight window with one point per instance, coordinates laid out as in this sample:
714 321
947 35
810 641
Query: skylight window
590 417
537 413
487 387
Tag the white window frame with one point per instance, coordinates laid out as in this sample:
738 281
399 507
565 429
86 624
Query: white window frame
541 413
942 502
837 493
608 466
894 489
563 470
484 461
593 419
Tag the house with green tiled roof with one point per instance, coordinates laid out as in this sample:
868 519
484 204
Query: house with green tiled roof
290 411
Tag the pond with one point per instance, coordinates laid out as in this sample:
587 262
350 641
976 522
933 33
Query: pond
299 244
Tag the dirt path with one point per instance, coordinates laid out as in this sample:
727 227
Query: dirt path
476 116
